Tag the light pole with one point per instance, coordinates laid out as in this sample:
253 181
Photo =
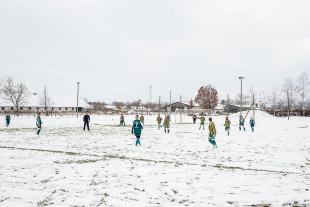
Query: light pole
241 78
77 99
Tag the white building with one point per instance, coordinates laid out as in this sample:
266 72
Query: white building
219 108
60 104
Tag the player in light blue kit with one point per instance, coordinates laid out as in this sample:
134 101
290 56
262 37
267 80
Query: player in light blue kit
241 123
252 123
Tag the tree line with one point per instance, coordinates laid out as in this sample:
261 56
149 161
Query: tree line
18 94
293 94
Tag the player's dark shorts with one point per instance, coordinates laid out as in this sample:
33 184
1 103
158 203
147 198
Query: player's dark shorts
212 137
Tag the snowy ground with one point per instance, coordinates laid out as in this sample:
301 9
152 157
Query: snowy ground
68 167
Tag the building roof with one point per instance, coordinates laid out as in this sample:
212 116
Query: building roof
219 107
177 103
238 106
58 101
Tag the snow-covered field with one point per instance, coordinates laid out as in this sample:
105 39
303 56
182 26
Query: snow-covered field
66 166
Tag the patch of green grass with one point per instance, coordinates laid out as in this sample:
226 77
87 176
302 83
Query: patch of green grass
47 200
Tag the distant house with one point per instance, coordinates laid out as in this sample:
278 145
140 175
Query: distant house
219 108
234 108
196 107
176 105
60 104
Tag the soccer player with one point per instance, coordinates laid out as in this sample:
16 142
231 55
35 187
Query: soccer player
227 125
8 119
122 122
86 120
39 123
168 117
202 122
194 118
241 123
142 118
137 129
167 125
252 123
159 120
212 133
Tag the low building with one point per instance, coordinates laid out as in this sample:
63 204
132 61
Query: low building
219 109
60 104
234 108
176 105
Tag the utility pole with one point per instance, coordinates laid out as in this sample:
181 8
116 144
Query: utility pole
77 99
288 105
241 78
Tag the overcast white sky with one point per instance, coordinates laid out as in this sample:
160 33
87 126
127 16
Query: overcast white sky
117 48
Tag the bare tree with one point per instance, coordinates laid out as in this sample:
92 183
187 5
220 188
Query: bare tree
237 99
119 105
289 84
99 107
152 106
16 93
252 92
261 99
191 103
302 86
45 100
246 99
128 105
274 98
136 104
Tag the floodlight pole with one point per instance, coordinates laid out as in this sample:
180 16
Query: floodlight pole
77 99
